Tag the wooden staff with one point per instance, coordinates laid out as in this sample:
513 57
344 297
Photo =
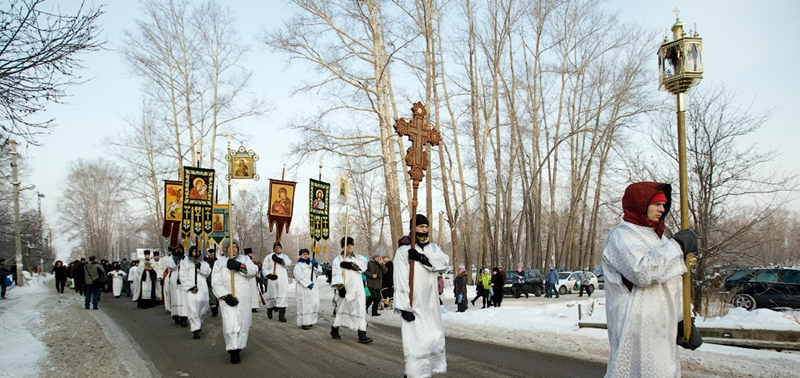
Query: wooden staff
419 134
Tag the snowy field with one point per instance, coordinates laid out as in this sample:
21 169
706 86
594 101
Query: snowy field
45 334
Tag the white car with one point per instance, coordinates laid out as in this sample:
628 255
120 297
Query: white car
567 282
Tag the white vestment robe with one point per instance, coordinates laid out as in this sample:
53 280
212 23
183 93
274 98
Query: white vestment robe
307 299
163 273
236 320
196 303
133 279
277 290
423 339
117 276
643 322
351 310
177 302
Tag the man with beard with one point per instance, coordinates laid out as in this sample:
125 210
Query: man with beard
177 307
274 268
421 328
193 273
213 302
230 283
147 293
349 298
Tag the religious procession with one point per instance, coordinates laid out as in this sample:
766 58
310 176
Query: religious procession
486 165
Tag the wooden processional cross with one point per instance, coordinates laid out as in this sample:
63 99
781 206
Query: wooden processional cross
419 134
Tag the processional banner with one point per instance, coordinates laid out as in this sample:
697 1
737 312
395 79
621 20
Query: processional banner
281 199
173 211
319 209
198 200
219 227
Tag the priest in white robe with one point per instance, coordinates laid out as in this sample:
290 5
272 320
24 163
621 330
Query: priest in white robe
255 293
306 292
643 271
275 269
230 283
163 273
193 275
134 280
350 301
117 279
421 327
177 305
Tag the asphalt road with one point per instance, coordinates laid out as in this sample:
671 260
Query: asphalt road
284 350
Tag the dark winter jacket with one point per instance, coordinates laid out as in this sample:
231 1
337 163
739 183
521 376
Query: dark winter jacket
374 268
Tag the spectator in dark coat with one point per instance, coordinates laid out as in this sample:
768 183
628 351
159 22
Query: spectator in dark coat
60 271
497 283
79 275
376 273
4 272
460 289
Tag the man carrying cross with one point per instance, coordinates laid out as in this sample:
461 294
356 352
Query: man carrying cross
417 295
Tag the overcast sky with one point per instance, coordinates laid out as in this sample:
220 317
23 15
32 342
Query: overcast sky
750 47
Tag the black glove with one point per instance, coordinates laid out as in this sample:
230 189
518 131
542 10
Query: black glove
408 315
231 300
342 292
346 265
687 239
197 266
234 265
193 290
272 277
416 256
694 341
277 259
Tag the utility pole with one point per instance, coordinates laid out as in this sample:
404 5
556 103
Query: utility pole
17 230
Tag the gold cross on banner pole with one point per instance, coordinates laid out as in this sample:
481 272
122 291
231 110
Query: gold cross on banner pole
419 134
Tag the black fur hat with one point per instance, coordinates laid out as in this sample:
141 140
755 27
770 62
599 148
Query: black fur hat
350 241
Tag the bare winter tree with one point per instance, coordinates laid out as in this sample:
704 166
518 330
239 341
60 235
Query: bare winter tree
38 56
93 205
732 190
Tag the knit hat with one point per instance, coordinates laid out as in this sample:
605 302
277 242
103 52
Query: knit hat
376 254
658 197
302 251
421 219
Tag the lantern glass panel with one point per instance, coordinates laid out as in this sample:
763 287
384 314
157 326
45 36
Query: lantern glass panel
694 58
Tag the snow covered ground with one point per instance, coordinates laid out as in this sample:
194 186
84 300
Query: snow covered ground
49 335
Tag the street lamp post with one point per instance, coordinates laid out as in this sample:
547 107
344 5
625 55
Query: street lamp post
680 63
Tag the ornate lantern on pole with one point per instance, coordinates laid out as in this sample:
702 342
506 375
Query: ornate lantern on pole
680 67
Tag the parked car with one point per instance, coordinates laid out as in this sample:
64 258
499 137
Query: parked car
567 282
764 288
601 278
534 284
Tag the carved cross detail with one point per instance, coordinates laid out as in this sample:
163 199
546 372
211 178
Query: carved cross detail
419 134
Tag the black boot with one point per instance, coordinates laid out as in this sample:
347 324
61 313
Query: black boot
176 319
335 333
235 358
184 321
282 314
196 334
214 311
362 337
269 312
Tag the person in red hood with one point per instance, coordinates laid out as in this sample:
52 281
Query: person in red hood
643 271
